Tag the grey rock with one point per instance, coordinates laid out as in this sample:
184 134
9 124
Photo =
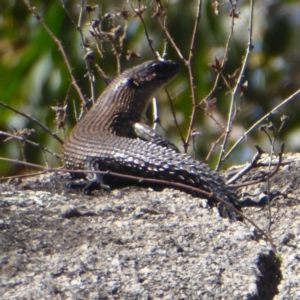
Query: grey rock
137 243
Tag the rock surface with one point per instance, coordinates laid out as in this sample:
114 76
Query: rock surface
136 243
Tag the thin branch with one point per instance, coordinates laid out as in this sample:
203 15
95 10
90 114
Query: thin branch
171 40
61 49
188 63
237 87
287 100
266 177
165 29
213 145
22 176
174 115
248 167
223 61
86 51
20 138
156 56
191 77
46 129
138 13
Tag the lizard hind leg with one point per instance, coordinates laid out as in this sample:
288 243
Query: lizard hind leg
93 180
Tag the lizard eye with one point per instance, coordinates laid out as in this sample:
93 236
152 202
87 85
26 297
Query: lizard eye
158 66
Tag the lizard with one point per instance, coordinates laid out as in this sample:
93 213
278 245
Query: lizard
113 137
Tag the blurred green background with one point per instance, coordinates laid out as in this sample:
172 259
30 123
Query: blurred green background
34 76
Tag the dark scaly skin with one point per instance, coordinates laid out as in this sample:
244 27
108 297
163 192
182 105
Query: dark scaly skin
112 136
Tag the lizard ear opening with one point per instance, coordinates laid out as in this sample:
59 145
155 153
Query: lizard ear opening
133 83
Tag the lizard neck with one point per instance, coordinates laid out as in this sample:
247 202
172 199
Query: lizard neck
125 100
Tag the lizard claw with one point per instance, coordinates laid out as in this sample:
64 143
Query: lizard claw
89 186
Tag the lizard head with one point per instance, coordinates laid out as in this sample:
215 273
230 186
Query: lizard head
151 75
141 83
